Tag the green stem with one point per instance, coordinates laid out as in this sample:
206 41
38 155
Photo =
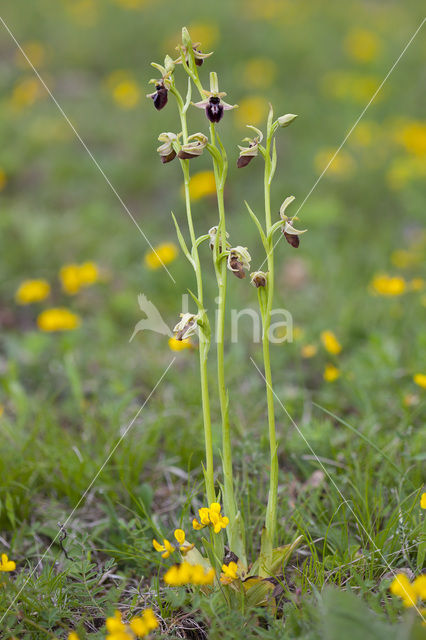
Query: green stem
204 343
271 510
230 507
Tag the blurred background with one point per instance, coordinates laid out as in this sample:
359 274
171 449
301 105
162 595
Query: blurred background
357 273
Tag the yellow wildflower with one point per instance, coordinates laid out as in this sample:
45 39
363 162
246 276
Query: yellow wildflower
26 92
354 87
75 276
6 564
3 179
330 342
162 254
35 53
186 573
116 627
259 73
340 166
207 33
420 380
362 45
413 137
308 351
229 573
331 373
404 170
165 549
423 501
419 586
402 587
386 285
202 184
58 319
252 110
73 636
127 94
180 345
31 291
142 625
211 516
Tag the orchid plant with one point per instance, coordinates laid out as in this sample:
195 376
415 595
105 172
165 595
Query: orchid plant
226 565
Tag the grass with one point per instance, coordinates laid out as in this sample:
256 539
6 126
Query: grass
68 398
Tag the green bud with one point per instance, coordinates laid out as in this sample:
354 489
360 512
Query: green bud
186 38
169 64
284 121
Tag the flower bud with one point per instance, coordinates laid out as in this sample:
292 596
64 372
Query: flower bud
258 279
194 147
238 260
284 121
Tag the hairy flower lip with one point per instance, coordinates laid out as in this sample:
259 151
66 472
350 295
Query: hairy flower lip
214 106
238 260
159 96
258 279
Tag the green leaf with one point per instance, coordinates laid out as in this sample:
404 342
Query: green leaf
279 558
10 510
273 163
258 225
182 241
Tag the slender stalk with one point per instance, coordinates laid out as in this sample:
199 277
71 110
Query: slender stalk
204 342
271 510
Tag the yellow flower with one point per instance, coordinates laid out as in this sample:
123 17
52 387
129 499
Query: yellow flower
340 166
404 170
419 586
186 573
362 45
423 501
73 636
308 351
3 179
144 624
259 73
83 12
413 137
385 285
75 276
252 110
205 33
202 184
58 319
180 345
165 549
26 92
211 516
420 379
354 87
402 587
32 291
330 342
229 573
6 564
162 254
127 94
35 53
331 373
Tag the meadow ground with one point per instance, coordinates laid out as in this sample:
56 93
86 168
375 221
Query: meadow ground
350 420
